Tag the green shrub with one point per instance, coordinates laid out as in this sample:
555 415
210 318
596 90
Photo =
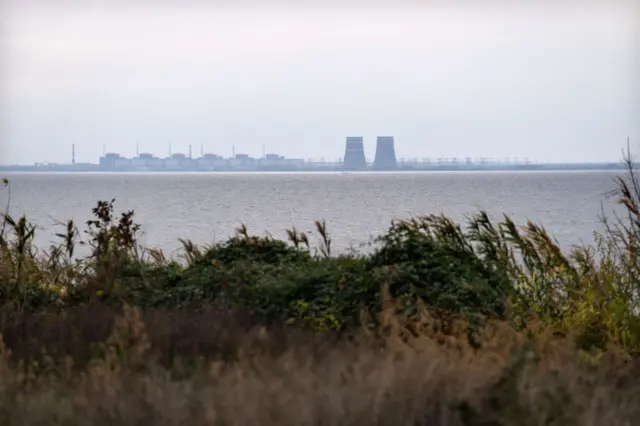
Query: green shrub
432 259
246 248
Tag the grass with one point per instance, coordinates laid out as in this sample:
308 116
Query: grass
279 376
481 323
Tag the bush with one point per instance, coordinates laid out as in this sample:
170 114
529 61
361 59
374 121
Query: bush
432 259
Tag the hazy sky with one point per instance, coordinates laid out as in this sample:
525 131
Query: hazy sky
546 82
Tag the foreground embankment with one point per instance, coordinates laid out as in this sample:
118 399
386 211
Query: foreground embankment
479 323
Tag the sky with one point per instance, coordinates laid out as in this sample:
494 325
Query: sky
548 82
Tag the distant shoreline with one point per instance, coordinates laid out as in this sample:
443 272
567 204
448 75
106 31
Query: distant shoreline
448 168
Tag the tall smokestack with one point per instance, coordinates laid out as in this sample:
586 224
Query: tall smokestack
73 153
354 154
385 154
189 152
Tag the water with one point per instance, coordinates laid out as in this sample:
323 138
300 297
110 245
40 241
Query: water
207 207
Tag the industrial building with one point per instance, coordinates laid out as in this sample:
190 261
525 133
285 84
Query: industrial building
206 162
385 154
354 159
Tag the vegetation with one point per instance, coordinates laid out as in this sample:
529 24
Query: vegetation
480 323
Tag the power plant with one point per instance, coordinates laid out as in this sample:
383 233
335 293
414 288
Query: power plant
354 159
385 154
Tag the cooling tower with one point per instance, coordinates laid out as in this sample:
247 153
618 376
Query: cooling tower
385 154
354 154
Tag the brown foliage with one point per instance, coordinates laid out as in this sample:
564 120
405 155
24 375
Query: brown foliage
216 367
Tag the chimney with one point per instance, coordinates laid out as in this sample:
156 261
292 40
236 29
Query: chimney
354 154
385 154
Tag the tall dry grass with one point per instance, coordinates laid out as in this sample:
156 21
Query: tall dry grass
279 377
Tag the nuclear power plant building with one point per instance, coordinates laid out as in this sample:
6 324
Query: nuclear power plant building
354 158
385 154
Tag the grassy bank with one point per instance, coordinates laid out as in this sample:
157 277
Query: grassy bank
479 323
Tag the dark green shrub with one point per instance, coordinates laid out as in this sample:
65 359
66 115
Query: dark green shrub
253 249
431 259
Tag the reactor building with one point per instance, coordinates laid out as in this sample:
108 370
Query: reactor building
354 159
385 158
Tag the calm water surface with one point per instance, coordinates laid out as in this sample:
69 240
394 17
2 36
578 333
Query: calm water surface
207 207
